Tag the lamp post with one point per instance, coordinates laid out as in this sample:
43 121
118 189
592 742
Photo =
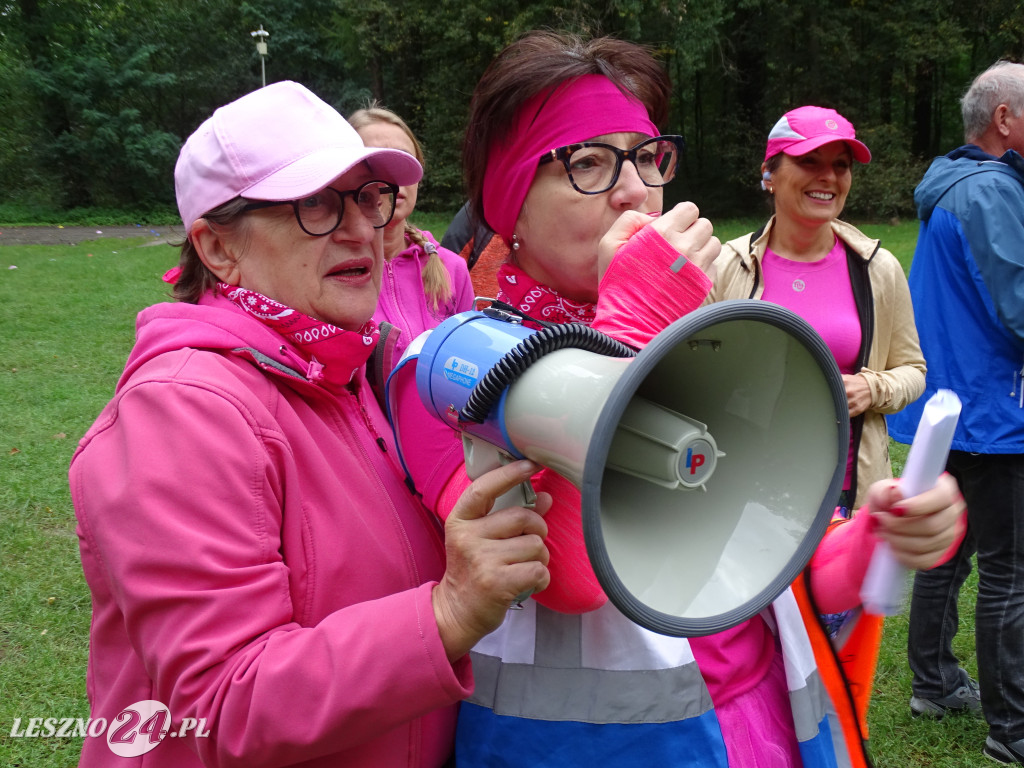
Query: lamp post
261 36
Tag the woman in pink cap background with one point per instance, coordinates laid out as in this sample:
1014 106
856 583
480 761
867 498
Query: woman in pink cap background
565 160
266 590
849 288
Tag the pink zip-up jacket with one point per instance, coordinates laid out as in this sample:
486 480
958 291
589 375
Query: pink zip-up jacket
256 561
402 301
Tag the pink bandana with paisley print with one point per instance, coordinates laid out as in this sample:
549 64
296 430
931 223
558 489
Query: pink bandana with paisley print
521 291
334 354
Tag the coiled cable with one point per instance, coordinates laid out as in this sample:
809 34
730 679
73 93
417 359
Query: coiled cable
514 363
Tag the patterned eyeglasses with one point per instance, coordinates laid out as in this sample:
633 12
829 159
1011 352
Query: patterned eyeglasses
594 167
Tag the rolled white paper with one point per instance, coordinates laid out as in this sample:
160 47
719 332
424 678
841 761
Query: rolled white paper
883 592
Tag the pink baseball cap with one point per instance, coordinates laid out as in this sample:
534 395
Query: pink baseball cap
804 129
281 142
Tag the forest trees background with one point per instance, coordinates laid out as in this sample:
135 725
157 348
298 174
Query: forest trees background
96 96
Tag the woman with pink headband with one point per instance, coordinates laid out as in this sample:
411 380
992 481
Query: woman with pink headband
565 161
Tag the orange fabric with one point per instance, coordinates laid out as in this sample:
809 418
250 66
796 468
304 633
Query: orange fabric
859 657
484 272
839 565
850 706
859 652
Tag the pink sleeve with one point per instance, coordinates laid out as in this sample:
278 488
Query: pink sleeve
841 561
643 290
431 451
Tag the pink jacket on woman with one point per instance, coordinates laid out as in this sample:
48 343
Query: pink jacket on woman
402 301
256 561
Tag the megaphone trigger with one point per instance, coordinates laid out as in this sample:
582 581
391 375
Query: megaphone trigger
482 457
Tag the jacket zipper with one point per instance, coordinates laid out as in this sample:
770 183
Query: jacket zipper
314 374
314 368
1018 386
381 443
393 289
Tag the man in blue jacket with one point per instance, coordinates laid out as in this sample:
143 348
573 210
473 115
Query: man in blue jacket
967 284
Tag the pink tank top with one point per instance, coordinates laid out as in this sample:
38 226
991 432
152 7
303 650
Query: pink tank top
821 293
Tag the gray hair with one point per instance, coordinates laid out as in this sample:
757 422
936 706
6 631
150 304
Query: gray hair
1002 83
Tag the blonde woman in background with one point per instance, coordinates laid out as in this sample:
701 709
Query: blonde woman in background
422 283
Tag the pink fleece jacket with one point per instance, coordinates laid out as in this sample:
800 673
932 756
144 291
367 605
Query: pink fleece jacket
255 560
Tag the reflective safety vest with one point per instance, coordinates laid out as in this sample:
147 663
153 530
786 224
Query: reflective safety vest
595 690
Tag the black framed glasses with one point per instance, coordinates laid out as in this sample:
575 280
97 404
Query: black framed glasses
594 167
321 214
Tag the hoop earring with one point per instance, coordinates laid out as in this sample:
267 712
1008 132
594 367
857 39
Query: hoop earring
515 242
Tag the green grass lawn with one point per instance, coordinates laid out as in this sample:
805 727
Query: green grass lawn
66 326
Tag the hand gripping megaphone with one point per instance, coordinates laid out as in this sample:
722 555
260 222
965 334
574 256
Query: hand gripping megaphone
709 464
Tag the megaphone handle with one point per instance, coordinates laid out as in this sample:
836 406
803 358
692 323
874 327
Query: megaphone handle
521 496
482 457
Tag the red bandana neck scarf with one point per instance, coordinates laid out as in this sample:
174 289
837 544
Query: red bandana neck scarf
334 354
518 289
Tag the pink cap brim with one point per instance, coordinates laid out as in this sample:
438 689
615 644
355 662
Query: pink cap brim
280 142
801 147
315 171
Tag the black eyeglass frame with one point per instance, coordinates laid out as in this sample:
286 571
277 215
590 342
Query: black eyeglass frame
342 194
621 155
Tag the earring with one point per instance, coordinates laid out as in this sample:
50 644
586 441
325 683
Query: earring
515 242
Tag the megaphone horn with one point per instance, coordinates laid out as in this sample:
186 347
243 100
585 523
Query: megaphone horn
709 464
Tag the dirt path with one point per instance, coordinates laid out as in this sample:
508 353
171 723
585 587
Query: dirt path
75 235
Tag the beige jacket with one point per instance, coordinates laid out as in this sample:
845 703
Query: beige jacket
894 366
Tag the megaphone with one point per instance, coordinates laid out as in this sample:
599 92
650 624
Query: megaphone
709 464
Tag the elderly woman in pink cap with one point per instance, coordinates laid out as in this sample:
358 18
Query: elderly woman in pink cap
266 590
849 288
565 160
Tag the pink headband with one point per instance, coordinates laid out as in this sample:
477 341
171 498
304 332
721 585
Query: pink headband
574 111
